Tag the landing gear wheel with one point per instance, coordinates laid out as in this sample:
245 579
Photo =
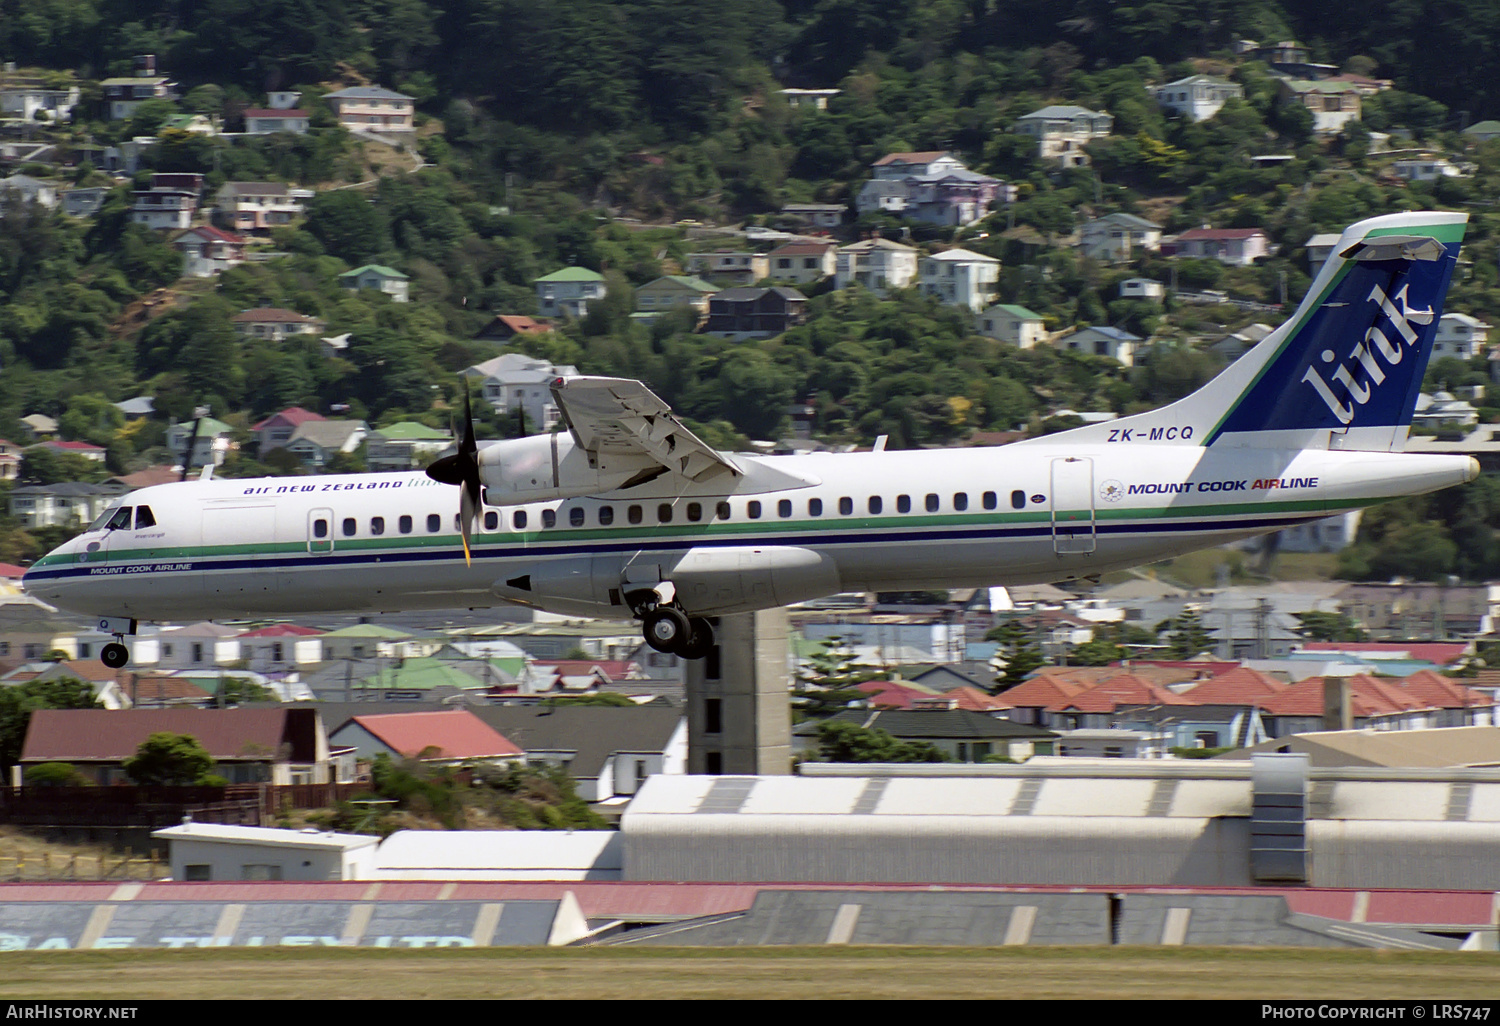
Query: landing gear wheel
114 655
666 628
699 639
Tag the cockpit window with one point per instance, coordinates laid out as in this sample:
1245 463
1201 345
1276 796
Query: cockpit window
121 520
144 518
102 521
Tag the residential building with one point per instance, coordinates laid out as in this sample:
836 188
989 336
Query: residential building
1318 249
257 207
1062 132
1198 97
1460 335
454 737
372 641
818 215
38 426
897 166
169 202
1237 343
372 109
1142 288
961 734
28 98
876 264
505 327
674 290
934 187
406 445
1014 324
1425 169
249 746
755 313
84 202
202 852
816 99
736 268
19 189
1119 236
274 323
212 440
123 95
1332 104
282 648
1483 131
260 121
608 752
515 381
568 291
1443 410
65 503
276 430
1239 247
379 278
961 277
803 262
283 99
315 442
10 460
198 646
87 450
207 251
1115 343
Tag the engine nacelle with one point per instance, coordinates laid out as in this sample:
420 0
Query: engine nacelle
541 468
734 579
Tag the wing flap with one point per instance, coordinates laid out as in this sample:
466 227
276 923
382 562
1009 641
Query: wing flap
616 418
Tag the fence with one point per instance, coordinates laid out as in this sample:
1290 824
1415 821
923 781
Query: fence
152 808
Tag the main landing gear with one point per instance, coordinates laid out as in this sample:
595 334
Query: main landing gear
668 629
115 654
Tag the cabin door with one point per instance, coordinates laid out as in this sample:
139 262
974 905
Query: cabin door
320 530
1072 505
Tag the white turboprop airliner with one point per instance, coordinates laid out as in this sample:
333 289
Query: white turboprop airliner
629 514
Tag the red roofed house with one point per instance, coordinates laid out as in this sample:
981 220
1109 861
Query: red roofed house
1240 686
433 737
578 675
207 250
891 694
1373 705
274 323
507 326
84 449
1456 704
285 646
803 262
1103 705
277 430
1031 699
1237 246
249 746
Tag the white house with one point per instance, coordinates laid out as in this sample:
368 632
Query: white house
1198 97
315 442
212 440
803 262
514 381
568 291
816 99
258 206
263 121
404 446
373 109
26 98
200 852
207 250
739 268
1142 288
123 95
1115 343
960 277
20 188
1062 132
274 323
1119 236
878 264
1014 324
1237 246
1461 336
1332 104
1425 169
380 278
168 202
198 646
1318 249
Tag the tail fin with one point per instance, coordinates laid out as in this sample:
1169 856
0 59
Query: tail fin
1345 371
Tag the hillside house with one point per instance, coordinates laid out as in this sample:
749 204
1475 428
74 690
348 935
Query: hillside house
262 121
276 430
673 290
212 440
1332 104
27 98
803 262
816 215
1062 132
1142 288
515 381
879 265
436 738
1198 97
815 99
257 207
84 202
274 323
10 460
960 277
934 187
1461 336
169 202
1118 236
406 445
123 95
1239 247
315 442
736 268
1425 169
379 278
568 291
21 189
1318 249
207 251
372 109
64 503
1014 324
505 327
88 450
754 313
1115 343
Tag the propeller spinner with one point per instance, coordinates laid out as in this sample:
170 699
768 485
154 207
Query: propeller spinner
462 469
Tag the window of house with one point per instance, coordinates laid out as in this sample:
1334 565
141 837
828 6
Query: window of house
261 871
197 873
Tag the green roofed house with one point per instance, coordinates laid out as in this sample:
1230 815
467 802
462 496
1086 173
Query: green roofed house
404 446
379 277
568 291
366 640
1014 324
433 679
1484 131
661 295
213 440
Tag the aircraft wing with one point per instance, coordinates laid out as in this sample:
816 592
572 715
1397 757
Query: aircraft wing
619 419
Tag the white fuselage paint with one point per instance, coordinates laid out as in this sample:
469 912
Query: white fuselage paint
249 547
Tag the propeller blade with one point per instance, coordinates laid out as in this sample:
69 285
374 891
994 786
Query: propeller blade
462 468
468 503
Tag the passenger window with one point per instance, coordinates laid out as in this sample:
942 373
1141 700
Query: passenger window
991 500
633 514
903 504
576 516
664 513
932 503
320 529
752 509
377 525
350 527
722 510
1018 499
606 515
875 504
491 520
814 507
784 508
694 512
960 501
405 524
434 523
121 520
518 520
144 518
846 506
549 519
